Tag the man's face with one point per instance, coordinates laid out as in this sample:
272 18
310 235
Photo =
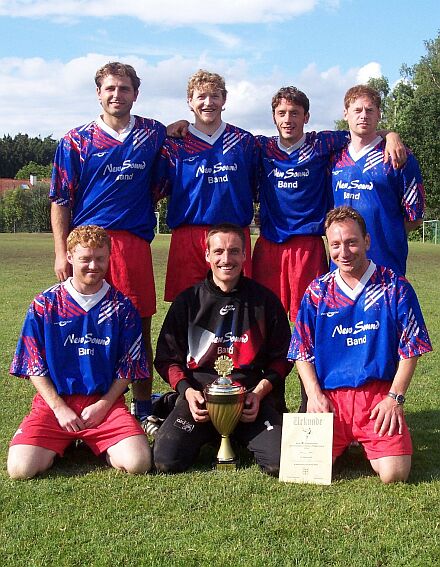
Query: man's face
116 95
348 248
207 105
89 267
226 256
362 117
290 119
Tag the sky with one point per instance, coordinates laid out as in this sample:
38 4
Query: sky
51 49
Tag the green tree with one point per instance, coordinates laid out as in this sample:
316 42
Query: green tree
32 168
415 114
17 151
14 209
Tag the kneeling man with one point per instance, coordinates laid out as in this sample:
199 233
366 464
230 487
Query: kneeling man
357 338
225 315
81 346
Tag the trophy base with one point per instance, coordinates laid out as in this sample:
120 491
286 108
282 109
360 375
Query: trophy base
231 465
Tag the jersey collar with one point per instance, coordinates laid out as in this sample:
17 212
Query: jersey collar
209 139
120 136
354 293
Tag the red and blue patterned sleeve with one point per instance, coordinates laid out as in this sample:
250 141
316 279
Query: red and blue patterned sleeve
30 354
302 344
413 335
131 362
66 170
413 199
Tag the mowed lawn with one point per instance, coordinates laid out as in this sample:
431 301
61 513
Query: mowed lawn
83 513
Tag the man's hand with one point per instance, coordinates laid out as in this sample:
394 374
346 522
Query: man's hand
319 403
389 417
251 408
395 150
68 419
196 403
94 414
62 268
178 129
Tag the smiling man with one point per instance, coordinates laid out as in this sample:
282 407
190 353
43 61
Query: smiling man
81 347
356 342
230 315
209 176
102 175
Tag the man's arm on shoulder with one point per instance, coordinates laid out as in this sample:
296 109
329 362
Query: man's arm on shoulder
317 401
388 414
178 129
394 149
66 417
60 220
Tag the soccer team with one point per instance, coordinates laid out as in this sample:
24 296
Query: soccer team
358 330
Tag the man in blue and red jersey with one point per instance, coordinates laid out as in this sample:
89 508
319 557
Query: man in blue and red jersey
392 201
356 342
102 175
295 195
81 346
209 176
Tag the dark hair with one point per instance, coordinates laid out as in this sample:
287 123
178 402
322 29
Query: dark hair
291 94
116 68
226 227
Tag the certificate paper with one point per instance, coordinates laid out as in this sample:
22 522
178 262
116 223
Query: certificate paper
306 448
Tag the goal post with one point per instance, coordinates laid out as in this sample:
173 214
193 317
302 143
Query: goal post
431 231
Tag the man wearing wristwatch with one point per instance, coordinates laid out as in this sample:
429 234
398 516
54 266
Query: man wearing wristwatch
356 342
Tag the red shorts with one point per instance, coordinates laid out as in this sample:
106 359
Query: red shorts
41 428
186 259
289 267
131 270
352 422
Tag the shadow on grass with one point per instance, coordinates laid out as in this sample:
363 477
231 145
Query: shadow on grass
78 460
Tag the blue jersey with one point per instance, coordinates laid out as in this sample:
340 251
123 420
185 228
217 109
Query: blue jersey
355 336
293 185
81 351
108 182
385 197
209 179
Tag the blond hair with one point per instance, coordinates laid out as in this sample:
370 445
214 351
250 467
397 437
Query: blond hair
204 80
88 236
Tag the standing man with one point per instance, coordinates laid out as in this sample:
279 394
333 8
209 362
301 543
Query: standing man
356 342
392 201
209 176
295 195
230 315
102 175
81 346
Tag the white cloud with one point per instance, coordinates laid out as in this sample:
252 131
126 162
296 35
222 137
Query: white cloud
372 70
40 97
165 12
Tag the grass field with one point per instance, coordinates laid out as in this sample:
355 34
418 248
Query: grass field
83 513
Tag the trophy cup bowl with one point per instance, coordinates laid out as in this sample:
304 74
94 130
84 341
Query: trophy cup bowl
224 402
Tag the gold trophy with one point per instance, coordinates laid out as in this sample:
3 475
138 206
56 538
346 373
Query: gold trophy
224 402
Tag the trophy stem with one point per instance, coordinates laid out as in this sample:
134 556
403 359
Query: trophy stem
225 453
